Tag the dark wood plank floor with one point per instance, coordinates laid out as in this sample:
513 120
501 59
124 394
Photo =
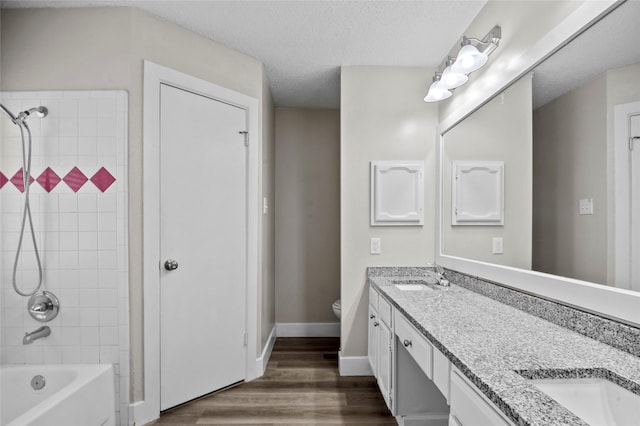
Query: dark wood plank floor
301 386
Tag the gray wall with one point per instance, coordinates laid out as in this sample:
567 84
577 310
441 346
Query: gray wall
574 159
307 214
570 163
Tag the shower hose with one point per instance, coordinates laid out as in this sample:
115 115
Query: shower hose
26 212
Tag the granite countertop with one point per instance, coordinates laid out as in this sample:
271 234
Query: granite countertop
494 345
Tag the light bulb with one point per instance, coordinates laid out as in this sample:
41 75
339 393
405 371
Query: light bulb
451 79
469 60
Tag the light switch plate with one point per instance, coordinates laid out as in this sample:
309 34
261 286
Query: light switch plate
498 245
586 206
375 246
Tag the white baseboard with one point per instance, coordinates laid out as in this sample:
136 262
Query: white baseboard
261 362
141 413
354 365
318 329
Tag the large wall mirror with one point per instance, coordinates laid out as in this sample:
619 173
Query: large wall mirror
571 184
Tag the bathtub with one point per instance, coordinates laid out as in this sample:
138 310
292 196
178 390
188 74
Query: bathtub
81 395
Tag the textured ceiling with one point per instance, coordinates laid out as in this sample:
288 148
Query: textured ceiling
303 44
610 43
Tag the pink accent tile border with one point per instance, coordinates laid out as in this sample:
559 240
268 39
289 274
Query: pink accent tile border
75 179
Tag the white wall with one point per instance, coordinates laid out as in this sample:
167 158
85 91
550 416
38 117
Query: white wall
499 131
104 48
307 214
383 117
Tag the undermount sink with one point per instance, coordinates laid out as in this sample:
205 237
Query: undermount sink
596 401
412 285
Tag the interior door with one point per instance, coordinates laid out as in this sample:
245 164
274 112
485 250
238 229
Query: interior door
634 126
203 168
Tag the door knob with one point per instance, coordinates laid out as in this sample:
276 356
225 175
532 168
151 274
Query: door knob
170 265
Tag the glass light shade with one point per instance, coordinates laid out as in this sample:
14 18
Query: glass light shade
469 60
436 93
451 79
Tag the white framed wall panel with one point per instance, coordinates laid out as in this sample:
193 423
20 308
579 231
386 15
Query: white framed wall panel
397 193
477 193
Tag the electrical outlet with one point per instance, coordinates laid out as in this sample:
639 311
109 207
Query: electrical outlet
498 245
375 246
586 206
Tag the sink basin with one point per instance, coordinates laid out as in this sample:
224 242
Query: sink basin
412 285
596 401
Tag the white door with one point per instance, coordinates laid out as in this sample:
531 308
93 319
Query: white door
203 170
634 125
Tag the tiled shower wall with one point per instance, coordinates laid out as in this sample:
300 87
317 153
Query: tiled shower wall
79 207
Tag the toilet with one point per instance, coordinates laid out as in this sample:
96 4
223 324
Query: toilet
336 308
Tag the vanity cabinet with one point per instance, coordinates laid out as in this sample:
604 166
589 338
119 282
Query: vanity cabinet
401 361
380 346
469 406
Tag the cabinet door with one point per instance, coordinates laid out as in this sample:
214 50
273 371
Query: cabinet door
385 362
372 350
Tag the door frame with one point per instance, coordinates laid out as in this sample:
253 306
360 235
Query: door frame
622 197
154 76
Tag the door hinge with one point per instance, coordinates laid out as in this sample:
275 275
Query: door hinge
246 339
632 139
246 137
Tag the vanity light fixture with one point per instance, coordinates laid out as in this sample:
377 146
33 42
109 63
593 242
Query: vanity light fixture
473 54
437 91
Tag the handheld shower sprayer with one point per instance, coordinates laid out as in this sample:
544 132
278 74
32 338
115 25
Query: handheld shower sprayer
39 112
19 121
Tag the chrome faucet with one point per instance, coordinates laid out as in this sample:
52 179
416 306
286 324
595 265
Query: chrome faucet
439 271
29 338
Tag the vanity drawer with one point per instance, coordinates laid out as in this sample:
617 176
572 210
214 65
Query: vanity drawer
373 297
384 310
416 344
469 406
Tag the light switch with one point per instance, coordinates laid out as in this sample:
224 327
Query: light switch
497 245
586 206
375 246
265 205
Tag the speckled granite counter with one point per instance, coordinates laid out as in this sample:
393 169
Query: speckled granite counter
494 345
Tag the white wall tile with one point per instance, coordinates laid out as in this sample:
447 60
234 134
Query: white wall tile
82 235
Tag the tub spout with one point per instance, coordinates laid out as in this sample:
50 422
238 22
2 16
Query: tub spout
29 338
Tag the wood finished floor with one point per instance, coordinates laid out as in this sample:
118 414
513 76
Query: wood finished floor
300 386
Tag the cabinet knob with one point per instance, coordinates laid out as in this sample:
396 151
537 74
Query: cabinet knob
406 343
372 316
375 324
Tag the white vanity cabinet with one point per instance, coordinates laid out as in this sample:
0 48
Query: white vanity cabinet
401 361
380 346
469 406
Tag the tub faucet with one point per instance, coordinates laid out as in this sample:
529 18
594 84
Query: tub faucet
29 338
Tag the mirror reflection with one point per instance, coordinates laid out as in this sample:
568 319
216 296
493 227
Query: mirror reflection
568 184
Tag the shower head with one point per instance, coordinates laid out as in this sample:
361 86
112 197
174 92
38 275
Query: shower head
9 114
40 112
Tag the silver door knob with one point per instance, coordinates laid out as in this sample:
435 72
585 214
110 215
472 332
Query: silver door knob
171 265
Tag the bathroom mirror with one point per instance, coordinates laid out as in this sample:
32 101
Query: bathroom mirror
554 128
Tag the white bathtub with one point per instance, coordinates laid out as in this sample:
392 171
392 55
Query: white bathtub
81 395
